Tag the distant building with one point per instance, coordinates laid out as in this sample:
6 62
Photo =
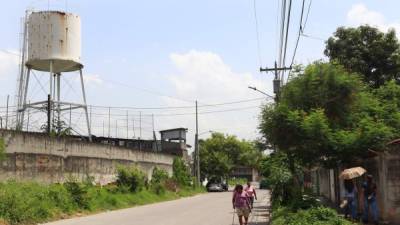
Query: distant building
249 173
173 141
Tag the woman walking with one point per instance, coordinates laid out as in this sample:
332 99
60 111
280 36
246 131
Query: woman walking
251 193
350 195
240 202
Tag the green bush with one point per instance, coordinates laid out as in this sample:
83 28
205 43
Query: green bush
159 175
158 179
234 181
181 172
130 178
21 202
62 198
2 149
312 216
78 192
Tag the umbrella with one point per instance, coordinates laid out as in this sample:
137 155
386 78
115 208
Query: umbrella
351 173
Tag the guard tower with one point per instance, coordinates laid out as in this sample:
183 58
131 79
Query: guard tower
51 43
174 141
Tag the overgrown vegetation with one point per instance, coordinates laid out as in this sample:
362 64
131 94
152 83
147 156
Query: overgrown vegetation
311 216
27 202
2 149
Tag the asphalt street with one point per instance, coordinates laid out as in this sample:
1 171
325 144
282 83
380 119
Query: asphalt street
204 209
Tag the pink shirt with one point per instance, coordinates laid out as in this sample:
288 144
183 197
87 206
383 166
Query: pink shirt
240 199
249 191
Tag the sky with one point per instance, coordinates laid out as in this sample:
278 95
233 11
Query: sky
163 54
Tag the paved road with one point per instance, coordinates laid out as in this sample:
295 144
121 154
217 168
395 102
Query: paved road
205 209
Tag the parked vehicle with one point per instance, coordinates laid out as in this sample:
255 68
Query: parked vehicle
216 185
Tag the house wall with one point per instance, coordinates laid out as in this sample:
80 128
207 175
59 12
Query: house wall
385 169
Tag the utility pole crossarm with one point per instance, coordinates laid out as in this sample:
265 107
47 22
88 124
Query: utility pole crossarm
266 69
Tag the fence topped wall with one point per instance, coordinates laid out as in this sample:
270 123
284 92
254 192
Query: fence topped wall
40 157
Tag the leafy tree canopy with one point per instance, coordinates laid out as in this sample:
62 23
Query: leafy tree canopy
366 50
220 153
327 116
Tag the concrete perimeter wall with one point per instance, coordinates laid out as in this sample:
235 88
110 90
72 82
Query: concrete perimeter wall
35 156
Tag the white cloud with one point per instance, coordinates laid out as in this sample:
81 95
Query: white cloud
205 76
92 79
8 63
360 14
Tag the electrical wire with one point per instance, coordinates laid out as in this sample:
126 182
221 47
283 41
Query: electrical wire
178 107
305 21
150 91
286 39
257 33
297 40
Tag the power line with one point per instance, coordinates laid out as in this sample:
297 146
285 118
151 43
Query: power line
305 21
179 107
209 112
257 33
286 38
298 39
150 91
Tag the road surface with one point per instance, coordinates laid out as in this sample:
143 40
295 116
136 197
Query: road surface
204 209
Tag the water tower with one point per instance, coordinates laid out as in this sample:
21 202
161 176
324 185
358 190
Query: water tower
51 43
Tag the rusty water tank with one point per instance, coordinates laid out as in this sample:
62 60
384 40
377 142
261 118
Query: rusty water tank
54 37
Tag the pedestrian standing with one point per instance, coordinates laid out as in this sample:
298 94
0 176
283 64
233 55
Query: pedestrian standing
369 189
350 195
240 202
251 193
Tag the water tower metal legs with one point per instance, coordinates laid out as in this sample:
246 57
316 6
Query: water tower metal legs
50 125
85 105
20 121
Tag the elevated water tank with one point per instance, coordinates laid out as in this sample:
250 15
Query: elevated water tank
54 36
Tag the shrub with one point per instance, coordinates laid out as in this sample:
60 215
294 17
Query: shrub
157 180
312 216
78 192
234 181
62 198
130 178
159 175
2 149
171 185
181 172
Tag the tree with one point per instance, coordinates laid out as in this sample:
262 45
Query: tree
220 153
326 116
367 51
181 172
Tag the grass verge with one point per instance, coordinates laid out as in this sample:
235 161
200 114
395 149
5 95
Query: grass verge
30 203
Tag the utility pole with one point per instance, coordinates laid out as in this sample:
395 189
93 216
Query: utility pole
196 146
277 80
8 98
